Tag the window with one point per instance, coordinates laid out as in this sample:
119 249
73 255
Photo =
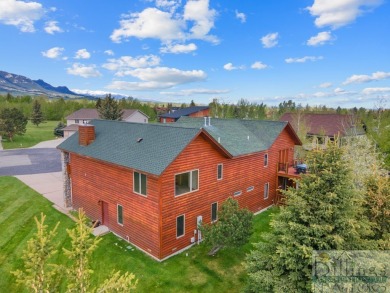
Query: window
219 171
266 190
119 214
214 209
237 193
265 160
180 226
140 183
186 182
76 121
250 188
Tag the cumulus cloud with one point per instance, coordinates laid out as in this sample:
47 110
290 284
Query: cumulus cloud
325 85
82 54
303 59
336 14
259 65
158 78
109 52
379 75
169 5
320 39
126 63
52 27
241 16
229 66
195 23
82 70
270 40
21 14
53 53
376 90
191 92
179 48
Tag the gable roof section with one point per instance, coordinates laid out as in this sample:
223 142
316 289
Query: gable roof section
116 143
325 124
240 137
184 112
90 114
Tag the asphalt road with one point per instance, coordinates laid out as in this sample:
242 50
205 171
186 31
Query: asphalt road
29 161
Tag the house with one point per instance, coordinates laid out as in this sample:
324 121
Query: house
84 116
152 184
324 127
175 114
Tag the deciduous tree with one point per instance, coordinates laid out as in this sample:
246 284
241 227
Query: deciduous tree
12 122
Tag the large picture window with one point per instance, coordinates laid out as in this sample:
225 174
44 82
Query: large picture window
140 183
180 226
186 182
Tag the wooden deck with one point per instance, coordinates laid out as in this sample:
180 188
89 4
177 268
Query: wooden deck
287 170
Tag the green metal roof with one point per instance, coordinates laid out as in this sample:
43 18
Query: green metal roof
117 142
238 137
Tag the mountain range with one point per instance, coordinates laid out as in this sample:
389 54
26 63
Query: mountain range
19 85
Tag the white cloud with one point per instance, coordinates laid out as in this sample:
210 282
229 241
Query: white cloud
376 90
241 16
92 92
270 40
229 66
320 39
379 75
325 85
158 78
303 59
179 48
169 5
338 13
195 23
21 14
53 53
52 27
109 52
82 54
82 70
259 65
191 92
126 63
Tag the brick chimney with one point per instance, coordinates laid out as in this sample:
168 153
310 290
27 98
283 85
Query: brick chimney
86 134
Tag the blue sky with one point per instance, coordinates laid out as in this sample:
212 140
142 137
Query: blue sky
320 52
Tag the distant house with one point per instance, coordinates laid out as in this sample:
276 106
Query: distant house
152 184
175 114
84 116
324 127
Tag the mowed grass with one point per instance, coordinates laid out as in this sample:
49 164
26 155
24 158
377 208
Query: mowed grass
34 134
190 271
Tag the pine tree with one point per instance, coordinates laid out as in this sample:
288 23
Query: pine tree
109 109
323 214
37 115
37 274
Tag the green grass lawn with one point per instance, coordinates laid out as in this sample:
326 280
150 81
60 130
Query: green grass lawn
190 271
34 134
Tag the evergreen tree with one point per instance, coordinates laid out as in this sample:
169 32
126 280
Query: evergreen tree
323 214
37 274
36 115
192 104
12 122
109 109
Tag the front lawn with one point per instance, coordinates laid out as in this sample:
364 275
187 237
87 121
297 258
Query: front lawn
191 271
34 134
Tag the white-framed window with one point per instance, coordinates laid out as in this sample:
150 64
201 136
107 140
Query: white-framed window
219 171
214 212
237 193
119 213
250 188
76 121
140 182
186 182
180 226
265 160
266 190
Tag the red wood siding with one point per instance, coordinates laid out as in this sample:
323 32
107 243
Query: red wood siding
203 113
167 120
94 181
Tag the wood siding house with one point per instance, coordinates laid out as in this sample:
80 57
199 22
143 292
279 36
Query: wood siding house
174 115
151 184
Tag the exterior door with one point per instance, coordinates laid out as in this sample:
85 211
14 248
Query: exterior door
105 218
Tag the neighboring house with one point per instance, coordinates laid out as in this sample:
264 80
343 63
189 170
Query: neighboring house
174 115
84 116
324 127
152 184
